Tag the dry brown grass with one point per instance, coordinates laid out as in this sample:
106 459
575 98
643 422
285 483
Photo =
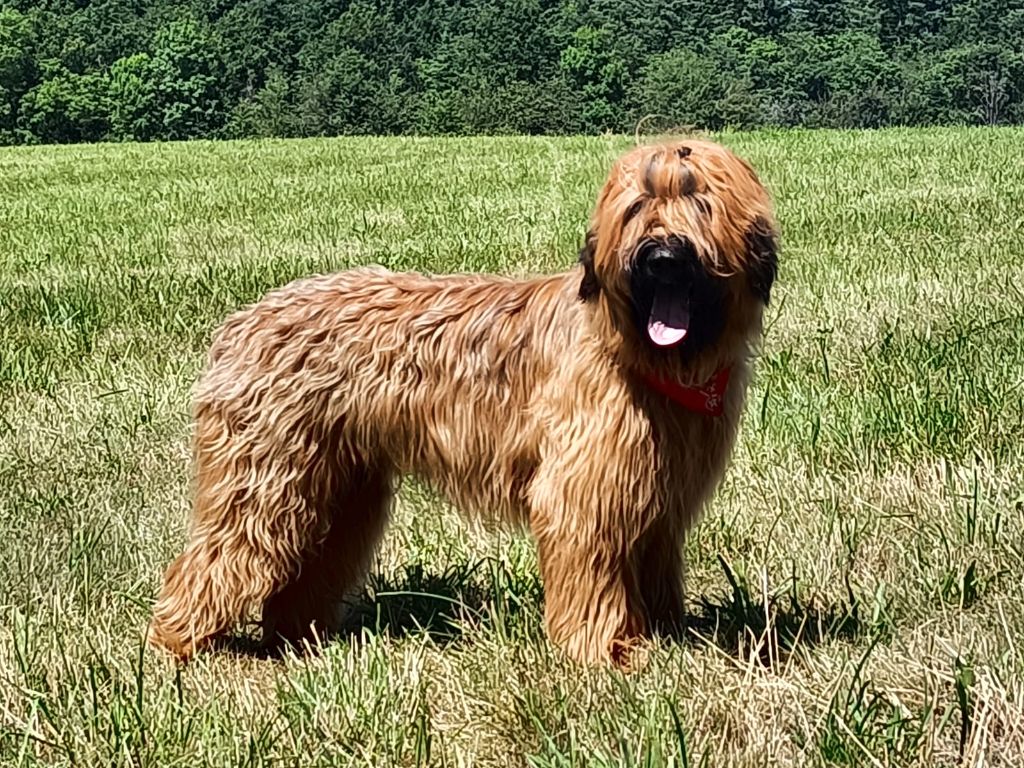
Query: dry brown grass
856 586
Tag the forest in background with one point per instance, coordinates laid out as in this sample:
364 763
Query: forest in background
143 70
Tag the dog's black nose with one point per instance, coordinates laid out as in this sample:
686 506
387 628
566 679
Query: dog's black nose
665 263
661 256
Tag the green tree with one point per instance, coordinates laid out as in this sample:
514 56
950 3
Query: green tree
970 85
347 81
133 99
912 25
180 70
17 67
186 72
267 113
593 66
259 39
67 108
171 94
861 80
681 87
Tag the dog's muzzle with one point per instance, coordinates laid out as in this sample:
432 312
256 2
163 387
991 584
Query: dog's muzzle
668 267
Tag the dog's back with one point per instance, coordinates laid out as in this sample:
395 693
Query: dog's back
431 376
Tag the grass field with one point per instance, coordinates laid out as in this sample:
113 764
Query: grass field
856 586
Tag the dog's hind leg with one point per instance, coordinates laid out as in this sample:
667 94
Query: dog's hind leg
261 504
310 605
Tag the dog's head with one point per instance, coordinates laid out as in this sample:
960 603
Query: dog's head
681 244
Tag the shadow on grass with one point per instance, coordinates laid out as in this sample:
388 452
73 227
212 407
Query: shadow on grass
746 623
487 594
442 606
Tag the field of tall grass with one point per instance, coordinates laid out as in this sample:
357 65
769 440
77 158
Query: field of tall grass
856 587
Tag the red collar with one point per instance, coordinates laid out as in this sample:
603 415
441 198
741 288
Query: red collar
707 399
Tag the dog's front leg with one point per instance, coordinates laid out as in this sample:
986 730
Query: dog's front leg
592 607
589 507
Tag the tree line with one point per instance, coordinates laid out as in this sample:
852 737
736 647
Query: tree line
76 70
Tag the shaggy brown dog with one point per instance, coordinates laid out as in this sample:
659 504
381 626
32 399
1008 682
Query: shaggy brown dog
598 406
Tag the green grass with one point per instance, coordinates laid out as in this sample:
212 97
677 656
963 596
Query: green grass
856 586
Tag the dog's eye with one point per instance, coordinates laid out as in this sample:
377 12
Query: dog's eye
632 211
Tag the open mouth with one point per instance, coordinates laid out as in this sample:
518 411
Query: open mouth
669 321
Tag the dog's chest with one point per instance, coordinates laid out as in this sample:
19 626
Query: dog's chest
690 453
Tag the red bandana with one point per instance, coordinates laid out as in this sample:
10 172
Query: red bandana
707 399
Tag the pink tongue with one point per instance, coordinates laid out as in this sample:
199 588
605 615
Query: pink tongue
664 335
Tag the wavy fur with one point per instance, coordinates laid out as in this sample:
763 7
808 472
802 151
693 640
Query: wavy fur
519 401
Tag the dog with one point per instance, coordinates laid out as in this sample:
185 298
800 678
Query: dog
598 407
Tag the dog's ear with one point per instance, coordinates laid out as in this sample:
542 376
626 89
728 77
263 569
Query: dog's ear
589 285
762 251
